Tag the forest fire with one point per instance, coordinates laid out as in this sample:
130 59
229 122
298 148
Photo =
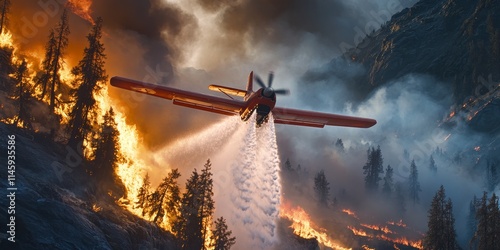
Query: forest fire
303 227
383 232
82 9
6 39
350 213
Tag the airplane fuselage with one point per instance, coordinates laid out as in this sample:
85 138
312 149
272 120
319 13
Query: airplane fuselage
260 102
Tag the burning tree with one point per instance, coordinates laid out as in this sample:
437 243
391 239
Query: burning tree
107 156
197 207
414 184
221 236
441 225
90 75
54 50
373 168
5 5
321 187
164 200
143 194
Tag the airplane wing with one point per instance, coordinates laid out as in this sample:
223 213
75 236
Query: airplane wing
317 119
182 97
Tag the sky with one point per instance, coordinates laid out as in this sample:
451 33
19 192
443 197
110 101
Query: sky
191 44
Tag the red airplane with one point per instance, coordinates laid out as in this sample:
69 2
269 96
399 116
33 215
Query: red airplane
262 100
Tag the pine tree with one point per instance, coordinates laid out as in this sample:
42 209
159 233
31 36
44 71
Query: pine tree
340 145
52 63
321 187
400 199
197 207
5 5
432 164
441 228
221 236
472 222
143 194
373 168
159 199
493 222
107 156
414 184
492 177
288 165
482 236
388 181
23 97
90 76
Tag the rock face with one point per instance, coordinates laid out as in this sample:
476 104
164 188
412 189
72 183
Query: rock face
457 42
61 211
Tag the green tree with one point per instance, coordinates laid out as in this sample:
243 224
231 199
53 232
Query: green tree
221 236
388 181
5 6
373 168
321 187
441 225
90 76
107 156
414 184
53 60
143 194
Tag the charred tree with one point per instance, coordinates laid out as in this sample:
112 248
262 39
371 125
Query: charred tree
221 236
373 168
472 222
432 164
321 188
90 76
107 156
5 5
49 78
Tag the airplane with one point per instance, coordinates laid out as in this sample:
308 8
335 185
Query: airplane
261 101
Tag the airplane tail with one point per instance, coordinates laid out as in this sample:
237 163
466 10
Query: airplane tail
250 84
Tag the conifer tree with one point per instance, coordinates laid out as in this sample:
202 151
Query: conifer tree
321 187
492 176
340 145
400 198
493 222
388 181
90 76
167 190
482 236
472 222
373 168
49 78
221 236
23 97
143 194
107 156
432 164
5 6
197 207
288 165
414 184
441 228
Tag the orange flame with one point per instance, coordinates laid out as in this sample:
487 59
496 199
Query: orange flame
82 9
350 213
303 227
6 39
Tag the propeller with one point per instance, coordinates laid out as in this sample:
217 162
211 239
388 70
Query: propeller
268 90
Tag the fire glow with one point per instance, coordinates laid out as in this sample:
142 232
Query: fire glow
303 227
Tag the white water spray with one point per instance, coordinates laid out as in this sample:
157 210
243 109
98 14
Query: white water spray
245 166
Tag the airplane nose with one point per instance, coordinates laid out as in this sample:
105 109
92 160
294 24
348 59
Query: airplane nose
268 92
